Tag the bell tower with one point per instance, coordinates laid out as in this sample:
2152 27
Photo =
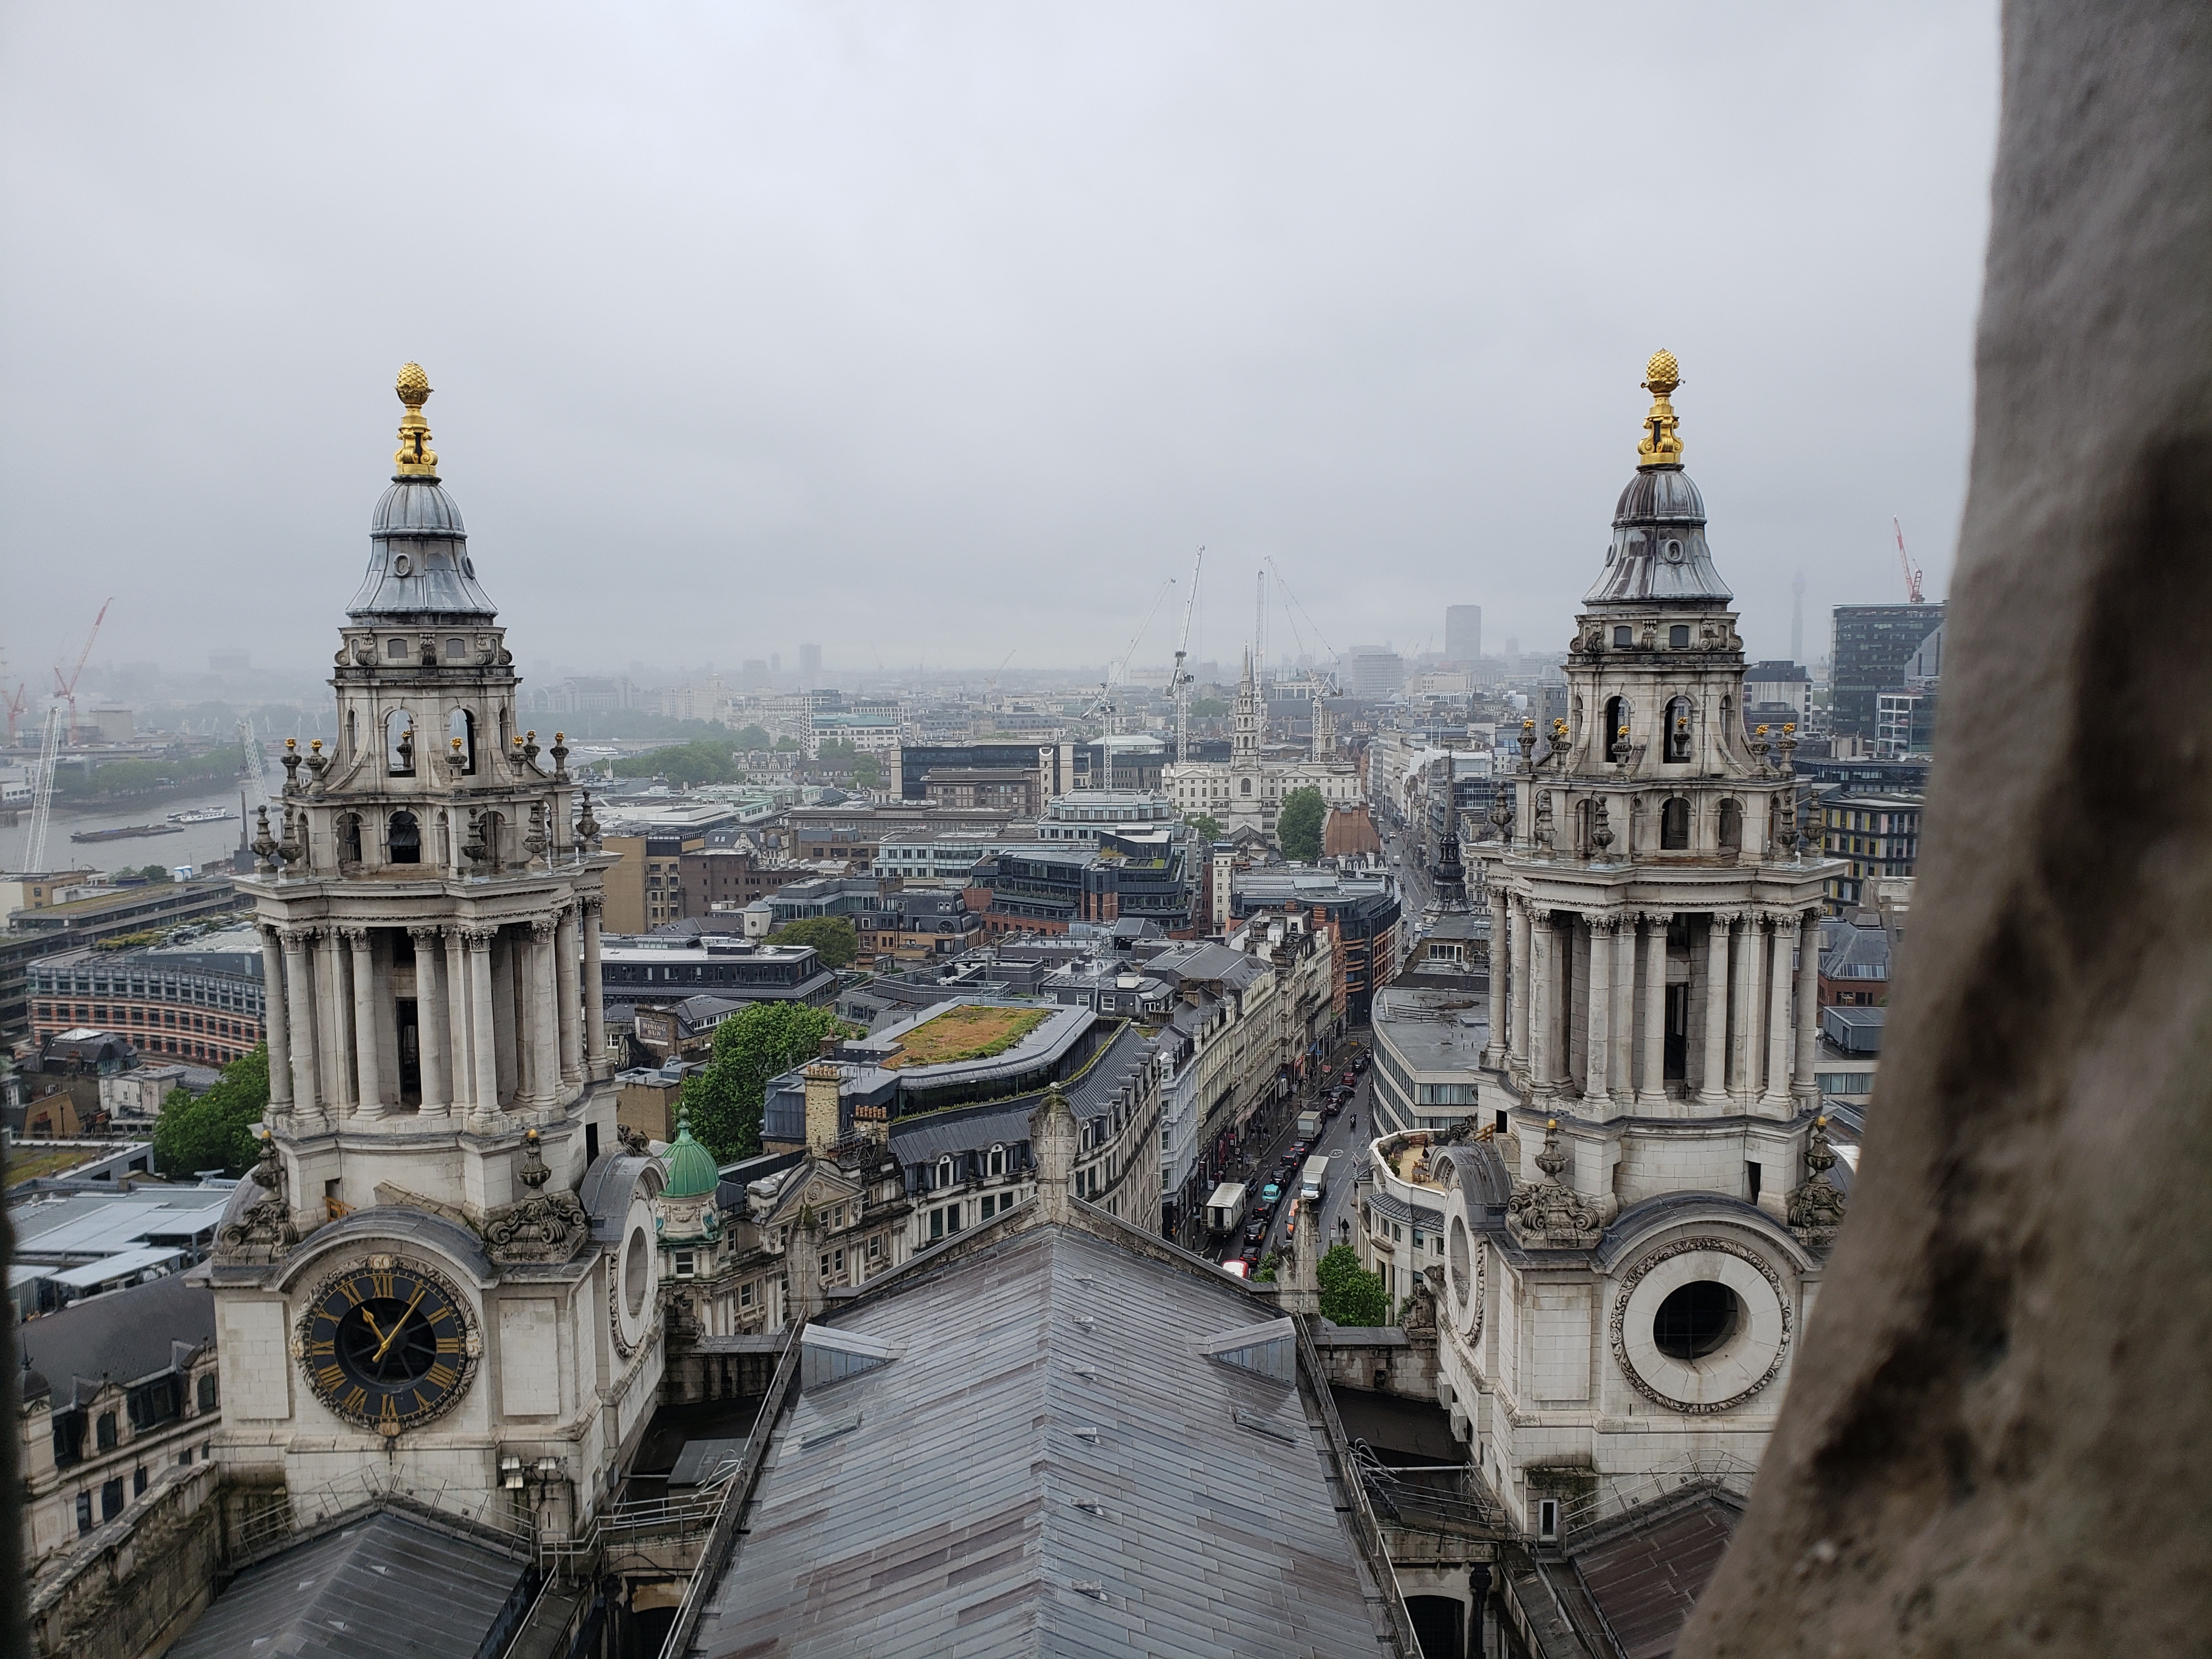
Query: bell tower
441 1131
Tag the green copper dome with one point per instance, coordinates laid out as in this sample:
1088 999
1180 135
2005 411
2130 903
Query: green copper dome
691 1169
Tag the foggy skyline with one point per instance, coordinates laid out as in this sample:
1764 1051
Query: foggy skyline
923 334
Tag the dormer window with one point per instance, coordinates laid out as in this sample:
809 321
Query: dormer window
943 1172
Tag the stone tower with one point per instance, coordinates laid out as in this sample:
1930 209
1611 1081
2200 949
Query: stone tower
443 1261
1648 1087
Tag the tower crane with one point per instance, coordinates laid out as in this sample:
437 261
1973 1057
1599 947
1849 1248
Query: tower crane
1180 683
1912 571
66 689
42 792
1117 673
16 700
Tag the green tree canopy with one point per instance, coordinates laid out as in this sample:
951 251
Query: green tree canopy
1207 708
1208 826
835 937
154 874
867 772
752 738
724 1098
215 1130
1350 1295
707 760
1298 826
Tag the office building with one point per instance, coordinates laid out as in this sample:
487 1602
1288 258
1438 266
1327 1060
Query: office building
1463 634
1870 648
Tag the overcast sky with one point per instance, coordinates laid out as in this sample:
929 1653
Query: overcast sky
932 331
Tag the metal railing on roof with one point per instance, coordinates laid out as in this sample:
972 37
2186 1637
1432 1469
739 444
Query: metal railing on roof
312 1509
1617 1495
1427 1497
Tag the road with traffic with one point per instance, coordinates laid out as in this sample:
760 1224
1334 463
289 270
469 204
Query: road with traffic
1343 1141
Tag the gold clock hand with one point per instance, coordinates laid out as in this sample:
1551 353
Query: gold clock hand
373 1327
399 1324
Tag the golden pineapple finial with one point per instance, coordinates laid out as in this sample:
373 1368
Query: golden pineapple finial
1662 445
414 458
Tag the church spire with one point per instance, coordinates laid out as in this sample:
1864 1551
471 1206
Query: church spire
414 458
1663 443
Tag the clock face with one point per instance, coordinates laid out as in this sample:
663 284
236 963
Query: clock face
386 1345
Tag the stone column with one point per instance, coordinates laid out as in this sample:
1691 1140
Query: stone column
1804 1084
544 1014
1744 957
1652 1096
369 1101
299 1007
1620 1069
1777 1097
1501 925
460 997
483 1044
335 1005
564 978
275 1021
1524 980
430 1018
1713 1090
1539 1005
1597 1054
595 1007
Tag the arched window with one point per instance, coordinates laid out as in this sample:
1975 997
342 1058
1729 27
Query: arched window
1616 728
1678 637
396 650
403 838
1674 825
1248 786
353 733
1731 827
461 739
1623 636
998 1160
943 1172
1585 821
349 837
400 743
1678 731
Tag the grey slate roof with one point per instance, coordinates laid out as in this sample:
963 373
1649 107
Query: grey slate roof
389 1586
931 1505
126 1334
1658 550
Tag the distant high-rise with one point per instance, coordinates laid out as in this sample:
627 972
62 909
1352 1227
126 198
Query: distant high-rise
1462 633
1872 645
810 664
1374 672
1797 618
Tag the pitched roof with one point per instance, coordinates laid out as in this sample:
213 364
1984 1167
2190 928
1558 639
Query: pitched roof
1052 1462
124 1335
387 1585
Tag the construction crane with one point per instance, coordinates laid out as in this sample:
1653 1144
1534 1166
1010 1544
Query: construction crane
1106 703
1179 684
66 689
1912 571
42 793
16 700
257 761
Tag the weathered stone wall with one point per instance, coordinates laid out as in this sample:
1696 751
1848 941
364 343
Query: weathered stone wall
1999 1437
133 1585
1385 1364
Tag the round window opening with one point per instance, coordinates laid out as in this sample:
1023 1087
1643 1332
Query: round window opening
1462 1268
634 1270
1696 1320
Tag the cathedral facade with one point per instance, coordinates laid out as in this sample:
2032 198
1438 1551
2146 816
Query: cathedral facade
441 1273
1631 1245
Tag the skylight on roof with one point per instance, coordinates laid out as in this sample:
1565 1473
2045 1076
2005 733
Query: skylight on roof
827 1355
1268 1350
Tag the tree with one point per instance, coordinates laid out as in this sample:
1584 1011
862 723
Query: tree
1298 826
215 1130
751 740
724 1098
708 760
833 936
1350 1295
1208 826
1266 1275
154 874
867 772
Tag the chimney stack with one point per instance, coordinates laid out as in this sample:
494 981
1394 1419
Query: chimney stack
1054 1138
822 1089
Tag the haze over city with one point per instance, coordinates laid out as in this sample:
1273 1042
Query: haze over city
901 329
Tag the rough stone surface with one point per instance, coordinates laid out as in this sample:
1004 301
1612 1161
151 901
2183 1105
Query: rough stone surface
1999 1440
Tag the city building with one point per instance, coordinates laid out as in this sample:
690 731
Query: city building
1777 692
1635 1213
1246 791
1463 634
911 765
1871 645
658 967
1373 674
853 832
993 789
1905 717
1867 836
1360 911
116 1390
200 999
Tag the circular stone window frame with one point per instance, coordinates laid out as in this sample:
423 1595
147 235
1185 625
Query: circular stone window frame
1764 1335
628 1327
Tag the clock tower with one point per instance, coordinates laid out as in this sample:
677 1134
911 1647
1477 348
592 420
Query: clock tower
441 1273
